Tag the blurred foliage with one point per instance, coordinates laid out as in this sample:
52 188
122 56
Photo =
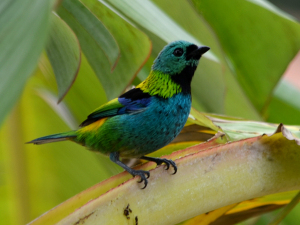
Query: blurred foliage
252 43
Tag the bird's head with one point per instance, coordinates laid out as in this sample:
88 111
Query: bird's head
177 56
173 69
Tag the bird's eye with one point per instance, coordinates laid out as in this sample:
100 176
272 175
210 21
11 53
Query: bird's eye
178 52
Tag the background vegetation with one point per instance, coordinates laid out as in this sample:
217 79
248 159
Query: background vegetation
109 45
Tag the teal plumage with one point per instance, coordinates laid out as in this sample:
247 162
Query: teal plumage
145 118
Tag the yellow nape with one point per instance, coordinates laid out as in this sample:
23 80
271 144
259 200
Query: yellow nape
158 83
93 126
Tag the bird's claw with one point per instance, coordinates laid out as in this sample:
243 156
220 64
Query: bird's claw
173 165
144 176
168 162
160 161
148 174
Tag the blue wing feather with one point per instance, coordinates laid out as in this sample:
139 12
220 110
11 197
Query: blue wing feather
133 105
133 101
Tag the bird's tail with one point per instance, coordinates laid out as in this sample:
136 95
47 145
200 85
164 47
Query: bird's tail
53 138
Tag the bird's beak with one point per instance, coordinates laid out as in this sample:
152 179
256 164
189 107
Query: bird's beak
197 53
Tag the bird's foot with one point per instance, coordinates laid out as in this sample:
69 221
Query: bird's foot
114 156
143 174
159 161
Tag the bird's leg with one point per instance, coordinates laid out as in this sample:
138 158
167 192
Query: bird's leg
114 156
159 161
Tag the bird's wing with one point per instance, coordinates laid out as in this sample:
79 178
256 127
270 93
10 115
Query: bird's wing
133 101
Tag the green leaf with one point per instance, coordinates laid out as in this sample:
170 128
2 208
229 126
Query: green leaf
61 109
63 51
86 93
133 53
209 217
95 28
23 30
148 15
285 211
36 178
237 130
285 105
258 42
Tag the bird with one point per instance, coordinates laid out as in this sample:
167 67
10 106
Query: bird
145 118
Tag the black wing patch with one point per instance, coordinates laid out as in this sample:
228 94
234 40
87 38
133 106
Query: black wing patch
135 94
